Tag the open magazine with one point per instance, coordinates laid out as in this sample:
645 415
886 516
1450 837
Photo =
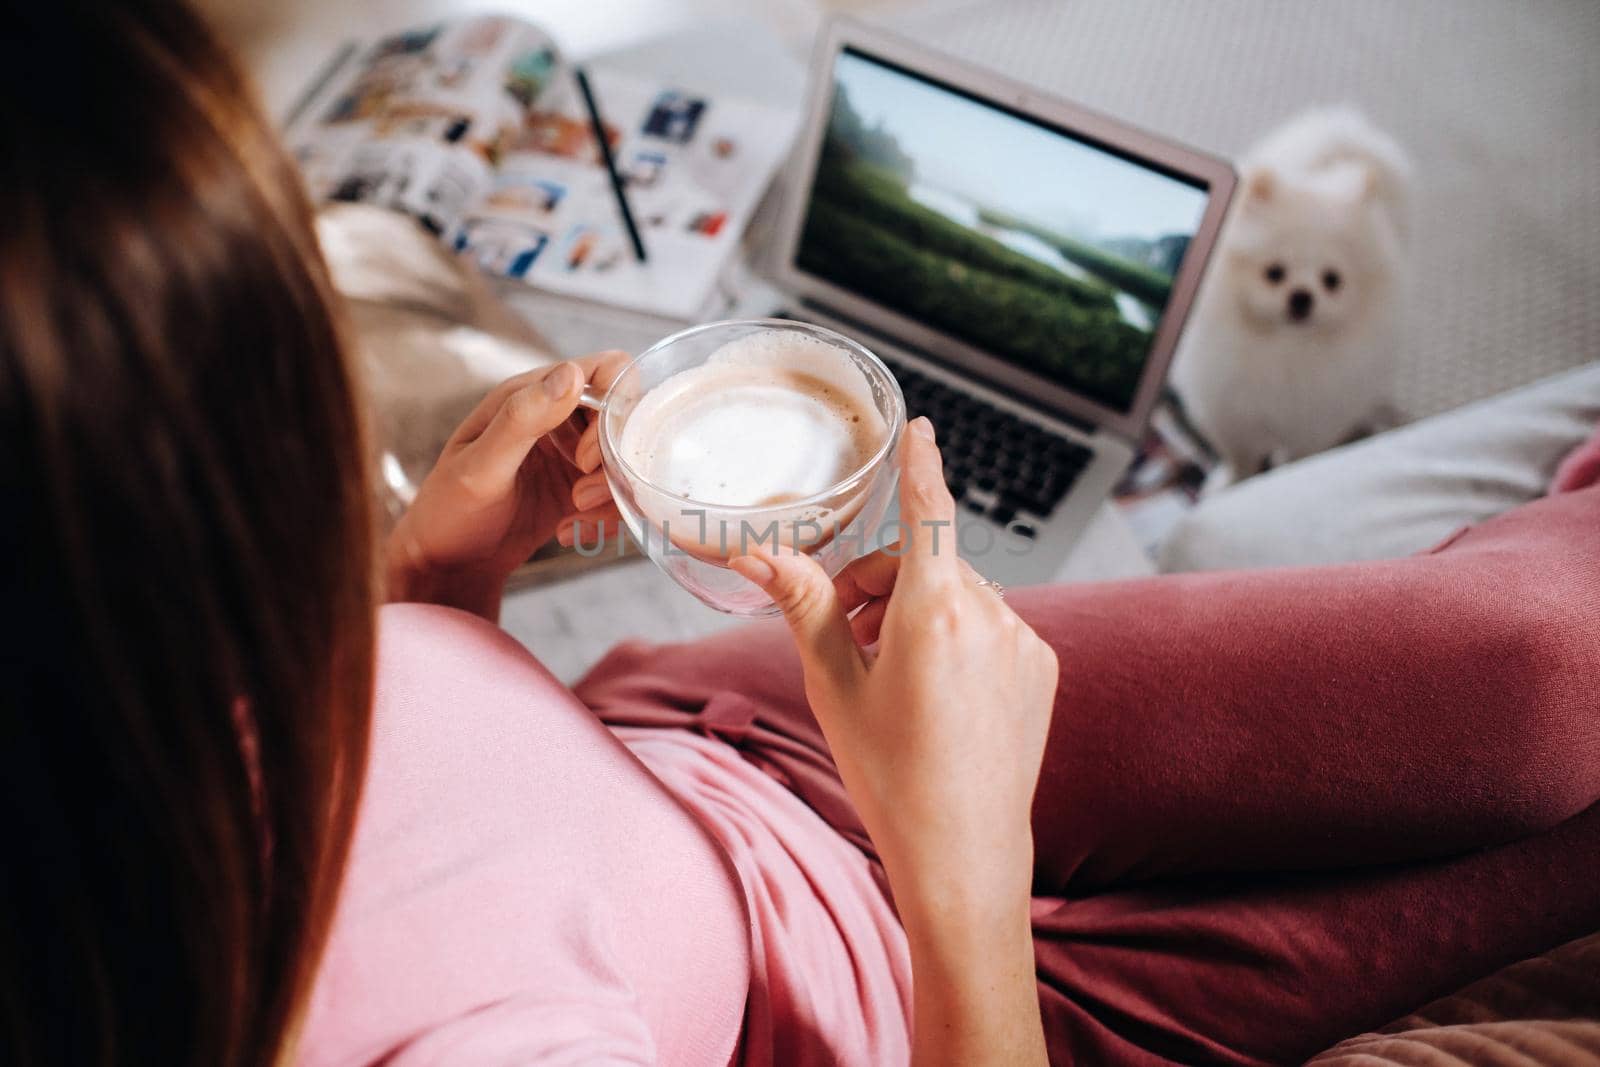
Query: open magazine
1164 480
475 126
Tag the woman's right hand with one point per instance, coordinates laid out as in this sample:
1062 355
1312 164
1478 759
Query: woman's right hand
519 470
938 738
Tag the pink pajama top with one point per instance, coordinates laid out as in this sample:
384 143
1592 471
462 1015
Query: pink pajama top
527 886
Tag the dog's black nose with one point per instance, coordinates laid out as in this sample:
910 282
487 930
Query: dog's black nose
1300 304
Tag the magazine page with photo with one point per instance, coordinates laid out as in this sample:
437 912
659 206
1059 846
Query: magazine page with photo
475 127
694 169
416 121
1166 476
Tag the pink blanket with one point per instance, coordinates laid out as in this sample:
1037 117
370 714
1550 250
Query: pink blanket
1581 468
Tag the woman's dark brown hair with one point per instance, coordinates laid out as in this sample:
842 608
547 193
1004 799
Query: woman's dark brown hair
185 528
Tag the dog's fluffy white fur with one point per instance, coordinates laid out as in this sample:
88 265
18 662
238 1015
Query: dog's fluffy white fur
1291 345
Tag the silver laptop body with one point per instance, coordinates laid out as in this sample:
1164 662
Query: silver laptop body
1024 265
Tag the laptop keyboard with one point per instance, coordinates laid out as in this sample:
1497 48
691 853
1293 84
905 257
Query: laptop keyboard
1007 469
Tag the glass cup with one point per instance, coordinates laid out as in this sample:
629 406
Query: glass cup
693 540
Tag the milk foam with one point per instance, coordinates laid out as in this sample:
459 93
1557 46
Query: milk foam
768 419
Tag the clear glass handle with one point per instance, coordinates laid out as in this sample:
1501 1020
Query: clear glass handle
592 398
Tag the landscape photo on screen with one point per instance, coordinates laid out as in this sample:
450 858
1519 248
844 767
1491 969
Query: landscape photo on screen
1046 251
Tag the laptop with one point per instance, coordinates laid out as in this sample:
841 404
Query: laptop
1024 266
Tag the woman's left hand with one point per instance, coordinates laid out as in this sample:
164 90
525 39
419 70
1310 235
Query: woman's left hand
520 468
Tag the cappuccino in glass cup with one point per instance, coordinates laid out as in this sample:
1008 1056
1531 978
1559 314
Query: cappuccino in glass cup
750 436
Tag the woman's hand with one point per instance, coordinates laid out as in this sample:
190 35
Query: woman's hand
521 469
938 739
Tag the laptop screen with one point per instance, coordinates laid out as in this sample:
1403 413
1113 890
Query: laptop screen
1036 246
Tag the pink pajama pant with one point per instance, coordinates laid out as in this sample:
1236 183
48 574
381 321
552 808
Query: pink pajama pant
1277 808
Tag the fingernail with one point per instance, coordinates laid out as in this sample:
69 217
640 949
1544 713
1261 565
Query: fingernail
561 381
922 427
755 568
591 496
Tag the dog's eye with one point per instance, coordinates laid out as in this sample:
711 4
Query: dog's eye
1274 273
1331 280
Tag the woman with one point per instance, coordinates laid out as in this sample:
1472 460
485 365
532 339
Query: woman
1254 826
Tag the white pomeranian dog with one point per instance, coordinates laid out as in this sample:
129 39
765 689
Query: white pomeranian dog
1291 345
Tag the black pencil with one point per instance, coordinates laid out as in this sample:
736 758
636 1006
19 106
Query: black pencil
610 162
